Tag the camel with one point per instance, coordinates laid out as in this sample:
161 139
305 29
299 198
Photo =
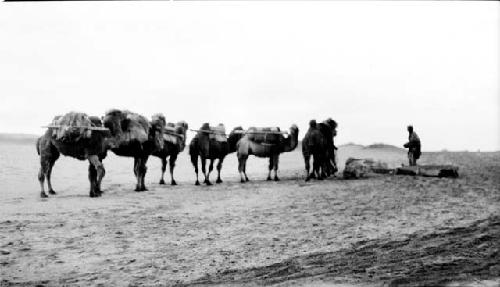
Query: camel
75 135
207 144
132 135
314 144
247 146
174 143
329 130
319 142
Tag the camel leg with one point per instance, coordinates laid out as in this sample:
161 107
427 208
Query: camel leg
307 158
321 167
327 165
100 177
96 173
242 161
41 177
315 166
271 164
203 169
48 176
275 166
163 169
93 180
219 167
143 169
48 156
173 159
194 161
210 168
334 162
245 171
136 172
139 170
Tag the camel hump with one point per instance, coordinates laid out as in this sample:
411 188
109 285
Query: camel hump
135 127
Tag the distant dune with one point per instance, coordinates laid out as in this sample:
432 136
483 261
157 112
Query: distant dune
18 138
373 146
384 146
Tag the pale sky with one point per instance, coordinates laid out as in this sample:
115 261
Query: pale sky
374 67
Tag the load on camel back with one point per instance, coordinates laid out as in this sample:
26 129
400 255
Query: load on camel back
75 126
173 133
217 133
264 135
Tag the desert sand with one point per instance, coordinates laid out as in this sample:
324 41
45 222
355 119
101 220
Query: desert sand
386 230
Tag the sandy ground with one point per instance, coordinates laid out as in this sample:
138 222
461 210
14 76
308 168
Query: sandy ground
383 231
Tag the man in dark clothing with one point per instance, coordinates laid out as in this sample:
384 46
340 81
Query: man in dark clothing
413 146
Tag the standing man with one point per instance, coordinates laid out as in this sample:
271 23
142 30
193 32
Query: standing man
413 146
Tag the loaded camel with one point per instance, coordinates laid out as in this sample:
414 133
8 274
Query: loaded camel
75 135
211 144
267 143
132 135
174 137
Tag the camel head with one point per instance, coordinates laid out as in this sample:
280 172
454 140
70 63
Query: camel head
333 125
291 142
155 134
294 130
181 129
159 120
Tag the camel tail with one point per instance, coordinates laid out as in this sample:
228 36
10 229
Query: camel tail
193 152
38 145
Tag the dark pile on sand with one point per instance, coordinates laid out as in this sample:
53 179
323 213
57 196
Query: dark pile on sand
431 259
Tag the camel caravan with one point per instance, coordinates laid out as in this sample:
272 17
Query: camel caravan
129 134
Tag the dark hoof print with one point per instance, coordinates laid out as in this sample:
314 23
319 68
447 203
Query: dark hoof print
242 181
208 183
276 179
52 192
218 181
173 183
197 183
162 182
268 179
43 195
247 179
